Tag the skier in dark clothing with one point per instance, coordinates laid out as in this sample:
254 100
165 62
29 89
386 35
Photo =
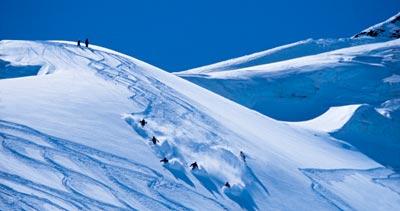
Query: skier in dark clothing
87 43
79 43
194 166
227 185
155 140
164 160
243 156
142 122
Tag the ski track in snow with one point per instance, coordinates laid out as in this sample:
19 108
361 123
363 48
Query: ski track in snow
77 183
126 177
322 182
156 99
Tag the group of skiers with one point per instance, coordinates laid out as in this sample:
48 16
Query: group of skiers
193 165
86 43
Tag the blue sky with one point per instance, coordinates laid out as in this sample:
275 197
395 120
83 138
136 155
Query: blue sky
181 34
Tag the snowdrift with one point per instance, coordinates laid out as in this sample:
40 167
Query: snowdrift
330 121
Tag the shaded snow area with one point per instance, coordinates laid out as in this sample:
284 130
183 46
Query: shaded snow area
71 140
374 134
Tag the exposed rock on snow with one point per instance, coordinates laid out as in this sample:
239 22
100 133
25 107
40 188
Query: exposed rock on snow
389 29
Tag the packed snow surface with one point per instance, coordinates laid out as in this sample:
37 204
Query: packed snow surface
71 140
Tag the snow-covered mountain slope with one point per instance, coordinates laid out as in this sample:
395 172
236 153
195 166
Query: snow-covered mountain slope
299 82
281 53
373 130
304 88
70 139
389 29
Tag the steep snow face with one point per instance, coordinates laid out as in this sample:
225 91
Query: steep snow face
389 29
71 139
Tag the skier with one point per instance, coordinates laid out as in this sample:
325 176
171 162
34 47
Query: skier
194 166
243 156
87 43
164 160
143 122
79 43
227 185
154 140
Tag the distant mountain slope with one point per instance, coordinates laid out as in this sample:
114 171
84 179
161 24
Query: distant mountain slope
305 87
389 29
281 53
71 139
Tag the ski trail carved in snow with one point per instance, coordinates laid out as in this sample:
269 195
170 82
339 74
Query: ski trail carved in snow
324 182
169 117
89 178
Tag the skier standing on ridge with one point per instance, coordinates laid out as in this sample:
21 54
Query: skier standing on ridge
87 43
142 122
164 160
155 140
79 43
194 166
